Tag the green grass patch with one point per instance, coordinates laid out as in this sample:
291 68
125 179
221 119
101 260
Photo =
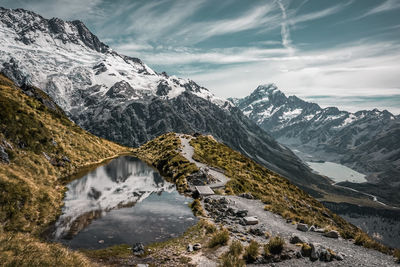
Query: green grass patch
118 251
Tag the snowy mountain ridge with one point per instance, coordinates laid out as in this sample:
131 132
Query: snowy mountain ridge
62 57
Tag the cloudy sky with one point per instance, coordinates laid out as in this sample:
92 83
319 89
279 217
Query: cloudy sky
340 53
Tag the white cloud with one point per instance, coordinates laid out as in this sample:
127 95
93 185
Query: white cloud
65 9
285 32
388 5
342 72
259 17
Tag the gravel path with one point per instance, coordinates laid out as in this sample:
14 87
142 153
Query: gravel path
276 225
188 151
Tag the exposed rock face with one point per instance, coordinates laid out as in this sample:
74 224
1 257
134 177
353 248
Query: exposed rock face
367 141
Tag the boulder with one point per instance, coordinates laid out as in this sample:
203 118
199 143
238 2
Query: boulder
312 228
250 220
138 249
332 234
315 251
302 227
246 195
294 239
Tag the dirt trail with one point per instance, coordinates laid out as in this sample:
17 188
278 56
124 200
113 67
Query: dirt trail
188 151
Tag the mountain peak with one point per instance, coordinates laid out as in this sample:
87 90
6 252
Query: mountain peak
266 89
32 28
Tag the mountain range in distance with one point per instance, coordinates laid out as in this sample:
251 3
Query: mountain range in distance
366 141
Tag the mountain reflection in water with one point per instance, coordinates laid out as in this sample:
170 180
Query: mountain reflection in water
110 199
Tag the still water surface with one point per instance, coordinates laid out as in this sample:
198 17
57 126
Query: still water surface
123 202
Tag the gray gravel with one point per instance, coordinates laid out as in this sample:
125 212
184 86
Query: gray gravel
276 225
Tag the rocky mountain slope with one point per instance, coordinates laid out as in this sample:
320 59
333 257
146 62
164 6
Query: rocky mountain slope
122 99
367 141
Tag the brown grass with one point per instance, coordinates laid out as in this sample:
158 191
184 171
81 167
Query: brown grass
32 188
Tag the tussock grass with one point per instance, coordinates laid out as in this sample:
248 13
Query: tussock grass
251 251
362 239
274 246
197 208
22 249
220 238
232 257
396 254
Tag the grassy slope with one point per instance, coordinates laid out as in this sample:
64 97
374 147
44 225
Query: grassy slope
278 194
31 187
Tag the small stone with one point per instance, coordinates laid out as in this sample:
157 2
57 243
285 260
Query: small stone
250 220
339 256
197 246
223 200
288 220
100 241
258 231
302 227
241 213
189 248
332 234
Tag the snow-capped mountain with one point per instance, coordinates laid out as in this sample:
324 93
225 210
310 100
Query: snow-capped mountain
121 98
367 141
